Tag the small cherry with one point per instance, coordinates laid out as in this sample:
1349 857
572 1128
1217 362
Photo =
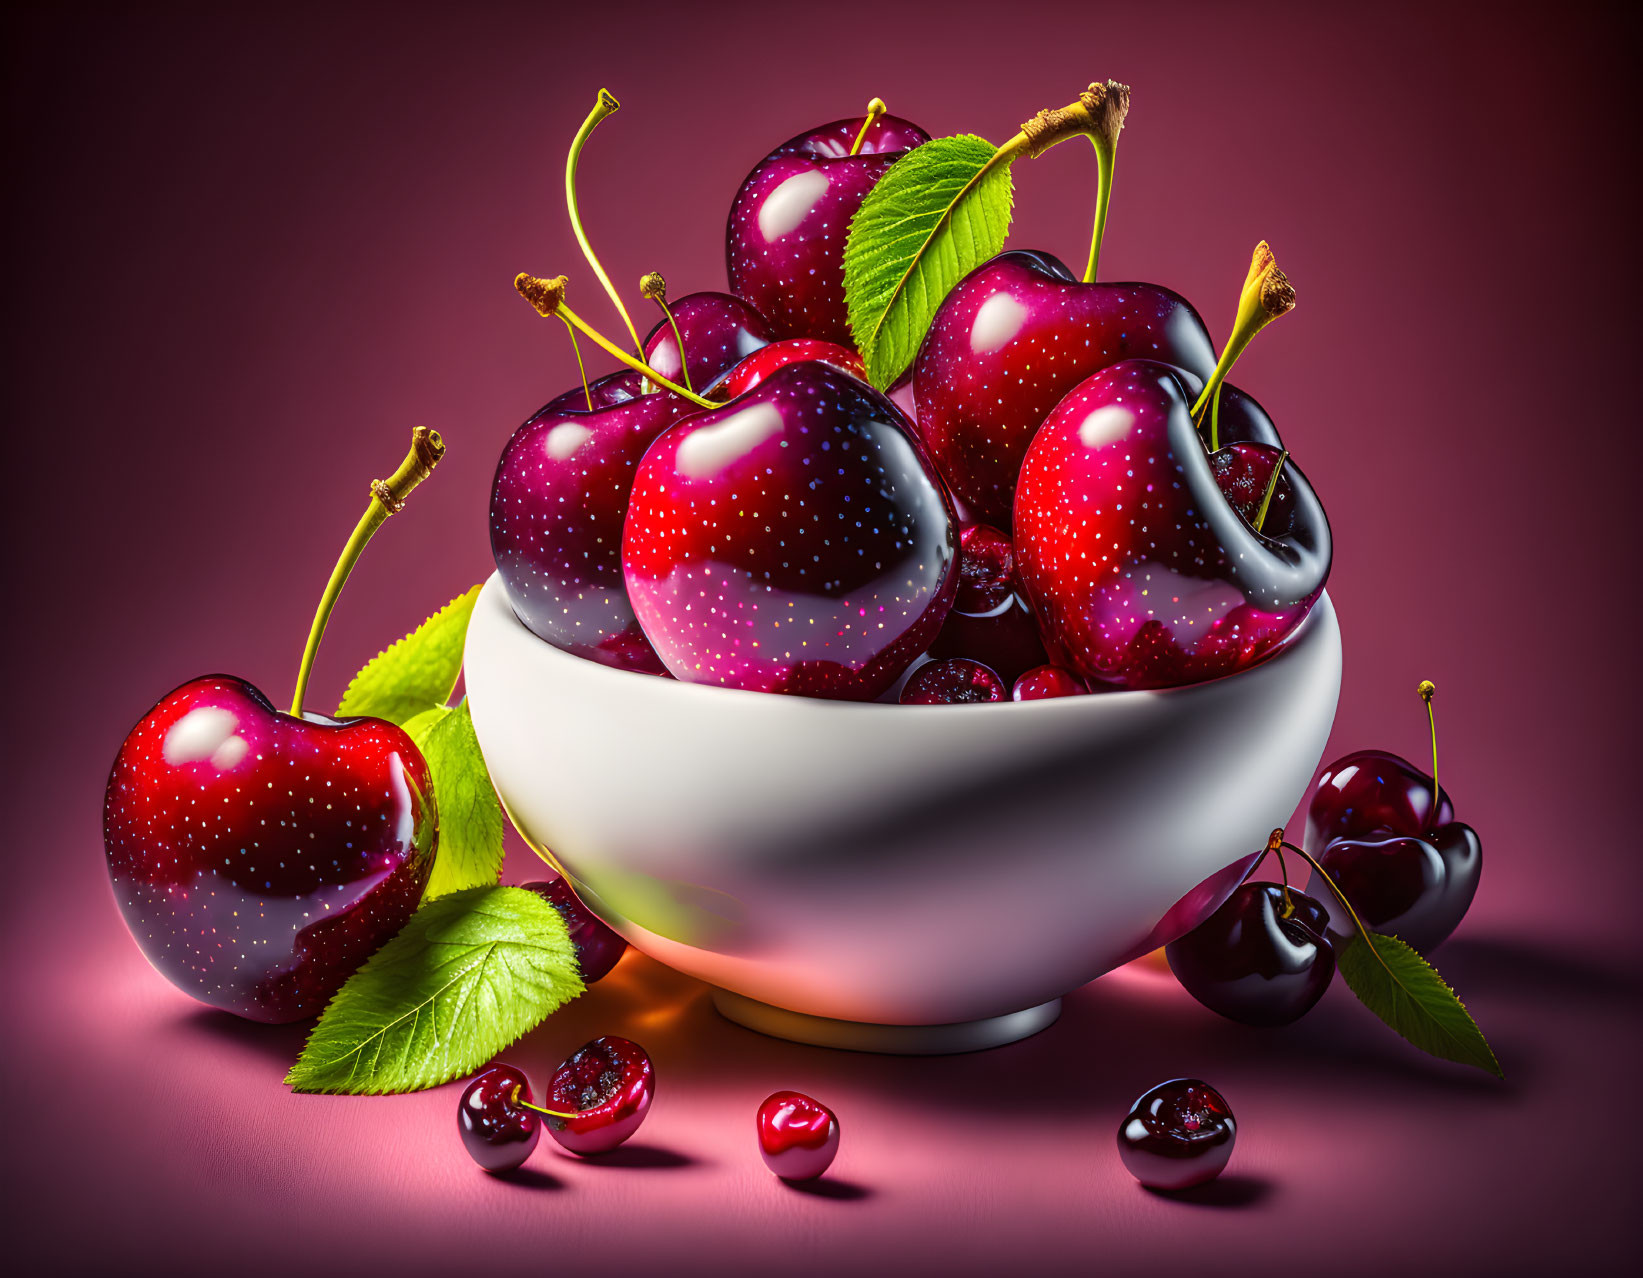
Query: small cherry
257 857
798 1136
955 681
1263 958
498 1123
606 1086
1386 833
597 947
1177 1135
716 331
1044 682
990 621
784 241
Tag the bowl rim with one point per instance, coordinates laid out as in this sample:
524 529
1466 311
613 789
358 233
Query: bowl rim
1312 627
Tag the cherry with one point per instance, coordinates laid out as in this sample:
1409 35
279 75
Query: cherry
558 502
798 1136
1010 341
784 241
795 540
597 947
792 350
1386 833
498 1125
1177 1135
990 622
608 1085
1262 958
1044 682
257 857
1141 572
955 681
718 330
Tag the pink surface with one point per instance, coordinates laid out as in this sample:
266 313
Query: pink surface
251 249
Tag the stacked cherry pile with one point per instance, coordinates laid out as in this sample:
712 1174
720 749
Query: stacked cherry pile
1059 495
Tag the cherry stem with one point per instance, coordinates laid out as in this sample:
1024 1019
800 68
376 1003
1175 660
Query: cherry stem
548 297
604 106
1275 845
875 108
1271 487
1427 689
654 287
1266 295
1111 108
581 368
387 498
525 1104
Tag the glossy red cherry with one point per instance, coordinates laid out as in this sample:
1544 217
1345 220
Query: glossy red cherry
1417 888
1045 682
955 681
258 858
784 242
558 502
798 1136
990 621
597 947
1141 572
607 1085
795 540
498 1132
1010 341
1262 958
719 332
793 350
1177 1135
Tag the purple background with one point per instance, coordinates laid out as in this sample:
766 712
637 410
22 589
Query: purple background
251 249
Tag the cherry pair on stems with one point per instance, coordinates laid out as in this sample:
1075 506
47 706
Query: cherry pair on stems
1386 855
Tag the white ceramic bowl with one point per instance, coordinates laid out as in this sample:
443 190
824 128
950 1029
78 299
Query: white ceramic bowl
841 871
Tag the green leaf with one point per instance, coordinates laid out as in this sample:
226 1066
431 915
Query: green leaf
466 977
1406 992
470 817
418 672
937 213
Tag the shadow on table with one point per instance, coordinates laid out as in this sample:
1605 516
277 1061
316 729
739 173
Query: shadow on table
1230 1190
279 1044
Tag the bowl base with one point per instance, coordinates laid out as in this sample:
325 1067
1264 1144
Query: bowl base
894 1040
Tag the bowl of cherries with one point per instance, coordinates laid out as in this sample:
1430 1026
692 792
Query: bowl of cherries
894 707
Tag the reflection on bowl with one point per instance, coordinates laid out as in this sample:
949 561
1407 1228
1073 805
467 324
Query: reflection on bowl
842 871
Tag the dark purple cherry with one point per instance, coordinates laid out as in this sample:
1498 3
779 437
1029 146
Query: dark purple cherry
1262 958
497 1130
1178 1135
558 502
606 1086
719 332
990 621
784 243
1045 682
1386 833
955 681
796 540
1010 341
597 946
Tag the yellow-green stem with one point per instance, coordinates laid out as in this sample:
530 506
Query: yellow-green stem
514 1099
1271 487
1106 156
387 497
1427 690
604 106
587 391
638 365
